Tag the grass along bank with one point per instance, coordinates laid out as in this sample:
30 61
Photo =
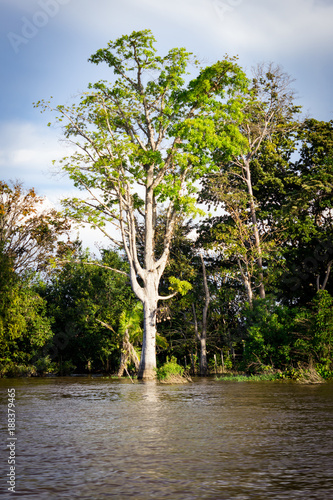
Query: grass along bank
300 375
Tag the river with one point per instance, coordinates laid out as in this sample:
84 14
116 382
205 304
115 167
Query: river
95 438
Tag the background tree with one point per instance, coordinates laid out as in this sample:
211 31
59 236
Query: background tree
142 142
307 219
29 232
268 128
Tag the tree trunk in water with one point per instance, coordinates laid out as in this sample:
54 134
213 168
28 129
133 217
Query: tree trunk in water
203 357
147 369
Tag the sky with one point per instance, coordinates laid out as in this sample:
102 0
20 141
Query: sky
45 46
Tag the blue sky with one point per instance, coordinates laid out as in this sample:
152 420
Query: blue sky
45 45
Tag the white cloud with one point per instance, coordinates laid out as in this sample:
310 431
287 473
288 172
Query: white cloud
26 154
260 25
273 27
27 151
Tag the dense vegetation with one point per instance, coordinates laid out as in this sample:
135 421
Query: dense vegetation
249 284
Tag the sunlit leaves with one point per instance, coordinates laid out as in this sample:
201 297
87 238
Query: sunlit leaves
179 286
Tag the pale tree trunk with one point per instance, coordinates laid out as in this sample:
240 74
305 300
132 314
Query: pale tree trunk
153 272
203 357
148 292
147 369
146 289
124 354
203 336
247 282
249 292
203 353
255 229
327 273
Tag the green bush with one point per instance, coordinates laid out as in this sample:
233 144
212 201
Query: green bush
170 368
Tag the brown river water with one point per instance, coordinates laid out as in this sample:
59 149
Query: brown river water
94 439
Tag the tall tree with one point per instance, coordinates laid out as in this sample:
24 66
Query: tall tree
268 126
142 142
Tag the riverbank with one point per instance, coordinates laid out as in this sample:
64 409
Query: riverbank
300 375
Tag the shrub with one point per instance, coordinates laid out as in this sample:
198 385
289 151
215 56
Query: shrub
169 369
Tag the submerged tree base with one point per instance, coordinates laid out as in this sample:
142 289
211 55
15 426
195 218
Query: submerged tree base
176 379
147 374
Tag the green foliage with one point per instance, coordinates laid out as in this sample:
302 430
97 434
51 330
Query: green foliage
169 369
269 338
131 321
305 215
45 365
303 375
281 337
326 374
90 305
227 360
323 326
66 367
24 326
179 286
10 369
315 333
